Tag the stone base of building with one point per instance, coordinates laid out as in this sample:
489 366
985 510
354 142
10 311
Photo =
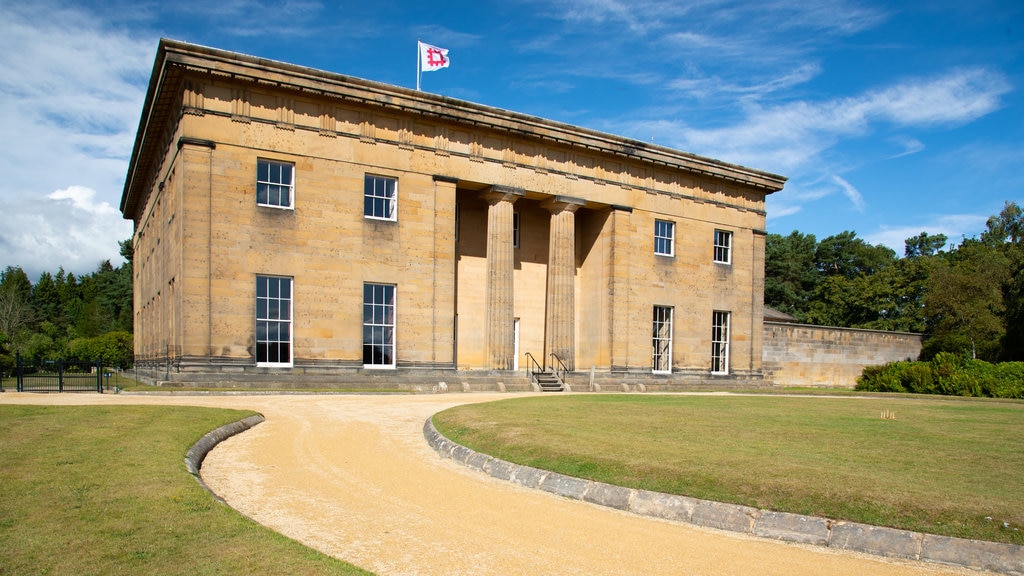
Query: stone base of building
184 374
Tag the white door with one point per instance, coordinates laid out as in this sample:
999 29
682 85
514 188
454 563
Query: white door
515 333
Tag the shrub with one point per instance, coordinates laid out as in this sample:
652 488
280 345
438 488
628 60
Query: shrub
947 373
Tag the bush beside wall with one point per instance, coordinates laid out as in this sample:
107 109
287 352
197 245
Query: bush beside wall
947 374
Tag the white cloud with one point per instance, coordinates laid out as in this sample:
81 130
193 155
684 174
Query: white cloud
851 193
68 227
70 97
954 226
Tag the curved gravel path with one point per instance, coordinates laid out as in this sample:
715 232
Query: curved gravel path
352 476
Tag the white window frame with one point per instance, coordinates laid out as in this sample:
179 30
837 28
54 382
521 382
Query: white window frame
723 247
379 320
661 340
375 193
272 184
661 238
273 313
720 325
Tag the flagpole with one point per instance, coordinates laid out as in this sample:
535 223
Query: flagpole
418 72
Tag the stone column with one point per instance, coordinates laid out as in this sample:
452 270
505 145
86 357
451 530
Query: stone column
499 349
560 324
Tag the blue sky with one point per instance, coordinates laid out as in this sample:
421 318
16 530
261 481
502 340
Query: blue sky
888 118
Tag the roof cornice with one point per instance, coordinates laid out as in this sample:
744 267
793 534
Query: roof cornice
174 58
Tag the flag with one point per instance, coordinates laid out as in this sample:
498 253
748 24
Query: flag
432 58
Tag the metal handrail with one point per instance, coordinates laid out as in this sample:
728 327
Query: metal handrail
558 368
534 369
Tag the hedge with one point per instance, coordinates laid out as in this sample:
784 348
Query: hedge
947 374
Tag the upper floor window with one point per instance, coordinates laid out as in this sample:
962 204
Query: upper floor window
664 237
380 197
723 247
275 183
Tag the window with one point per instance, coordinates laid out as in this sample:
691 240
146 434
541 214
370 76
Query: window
378 325
273 321
662 339
723 247
380 197
515 229
664 237
274 183
720 343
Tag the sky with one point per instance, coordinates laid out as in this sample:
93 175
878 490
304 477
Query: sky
888 118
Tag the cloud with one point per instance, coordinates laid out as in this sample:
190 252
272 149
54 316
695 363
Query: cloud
954 226
908 144
790 136
70 97
851 193
70 227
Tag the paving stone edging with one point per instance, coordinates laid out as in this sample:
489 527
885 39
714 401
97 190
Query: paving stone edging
853 536
197 453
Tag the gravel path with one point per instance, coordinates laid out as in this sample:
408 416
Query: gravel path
352 476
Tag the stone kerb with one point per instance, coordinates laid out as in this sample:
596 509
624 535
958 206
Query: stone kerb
197 453
852 536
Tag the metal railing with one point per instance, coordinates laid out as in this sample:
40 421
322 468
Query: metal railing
558 368
534 367
59 376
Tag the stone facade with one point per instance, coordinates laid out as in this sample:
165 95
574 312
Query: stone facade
823 356
502 235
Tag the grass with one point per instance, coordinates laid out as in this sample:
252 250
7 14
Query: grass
943 466
104 490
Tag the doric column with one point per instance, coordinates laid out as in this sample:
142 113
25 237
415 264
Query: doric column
560 328
499 349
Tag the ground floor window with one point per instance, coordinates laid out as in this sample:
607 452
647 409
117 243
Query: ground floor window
662 339
273 321
378 325
720 342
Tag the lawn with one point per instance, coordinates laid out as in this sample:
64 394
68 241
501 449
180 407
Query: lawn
104 490
943 466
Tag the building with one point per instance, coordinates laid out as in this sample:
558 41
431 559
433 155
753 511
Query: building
299 226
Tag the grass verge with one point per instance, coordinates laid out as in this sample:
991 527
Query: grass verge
942 466
104 490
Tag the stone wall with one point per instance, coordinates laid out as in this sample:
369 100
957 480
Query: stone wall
822 356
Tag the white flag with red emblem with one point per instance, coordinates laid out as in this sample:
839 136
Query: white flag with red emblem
432 58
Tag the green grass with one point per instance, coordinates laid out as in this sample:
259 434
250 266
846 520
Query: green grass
104 490
943 466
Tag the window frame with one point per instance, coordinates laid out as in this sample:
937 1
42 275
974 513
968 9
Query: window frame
721 323
386 321
371 200
269 182
661 333
284 317
661 240
722 247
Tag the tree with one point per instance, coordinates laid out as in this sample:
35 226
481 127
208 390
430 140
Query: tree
924 244
846 255
790 273
15 304
964 297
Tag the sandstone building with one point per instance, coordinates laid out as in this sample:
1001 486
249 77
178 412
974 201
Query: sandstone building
296 225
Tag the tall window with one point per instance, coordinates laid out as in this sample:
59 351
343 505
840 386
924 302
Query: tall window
662 339
273 321
380 197
723 247
274 183
664 237
378 325
720 342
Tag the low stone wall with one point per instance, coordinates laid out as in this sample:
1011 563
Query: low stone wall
822 356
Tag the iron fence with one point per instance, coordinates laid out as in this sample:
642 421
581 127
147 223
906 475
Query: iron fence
59 376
